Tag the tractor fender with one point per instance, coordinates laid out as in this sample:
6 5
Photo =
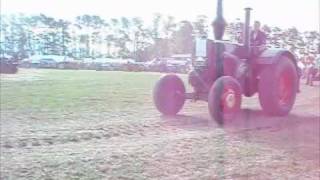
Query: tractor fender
271 56
230 64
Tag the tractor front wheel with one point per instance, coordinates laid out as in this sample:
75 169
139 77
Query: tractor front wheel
169 94
278 86
224 99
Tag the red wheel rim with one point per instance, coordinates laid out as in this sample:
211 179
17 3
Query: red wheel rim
228 103
285 88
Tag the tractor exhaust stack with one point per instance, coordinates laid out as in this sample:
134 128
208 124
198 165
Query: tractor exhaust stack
219 24
247 32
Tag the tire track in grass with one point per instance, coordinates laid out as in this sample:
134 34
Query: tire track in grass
167 151
64 136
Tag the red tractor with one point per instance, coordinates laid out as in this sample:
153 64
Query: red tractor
223 72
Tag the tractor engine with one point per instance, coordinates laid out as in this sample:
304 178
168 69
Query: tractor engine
202 75
204 71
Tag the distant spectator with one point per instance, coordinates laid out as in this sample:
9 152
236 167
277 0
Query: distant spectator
313 73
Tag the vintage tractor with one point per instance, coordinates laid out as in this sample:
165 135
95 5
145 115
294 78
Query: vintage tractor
223 72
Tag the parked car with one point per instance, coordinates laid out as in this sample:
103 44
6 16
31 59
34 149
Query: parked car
180 63
69 64
43 61
136 66
113 64
157 65
88 64
34 63
48 63
104 67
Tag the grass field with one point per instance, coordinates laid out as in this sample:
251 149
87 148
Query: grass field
102 125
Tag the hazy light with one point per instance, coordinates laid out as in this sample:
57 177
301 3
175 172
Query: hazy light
303 14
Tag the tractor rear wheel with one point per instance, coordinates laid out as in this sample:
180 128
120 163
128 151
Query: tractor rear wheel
278 86
169 94
224 99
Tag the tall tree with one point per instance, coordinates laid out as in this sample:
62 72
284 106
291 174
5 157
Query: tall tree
183 38
109 42
92 36
17 37
169 26
4 31
156 26
201 26
62 27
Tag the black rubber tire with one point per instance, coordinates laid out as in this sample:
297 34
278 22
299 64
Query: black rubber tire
270 87
169 94
217 100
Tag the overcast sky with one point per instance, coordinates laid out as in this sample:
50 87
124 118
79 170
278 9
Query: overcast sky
303 14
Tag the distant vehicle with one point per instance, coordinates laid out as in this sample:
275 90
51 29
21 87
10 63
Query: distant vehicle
113 64
104 67
157 65
69 64
48 63
136 66
34 63
180 63
88 64
45 61
8 65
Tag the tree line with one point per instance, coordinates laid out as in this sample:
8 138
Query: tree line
91 36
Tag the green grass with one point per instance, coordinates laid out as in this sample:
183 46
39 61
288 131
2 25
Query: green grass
57 90
103 125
